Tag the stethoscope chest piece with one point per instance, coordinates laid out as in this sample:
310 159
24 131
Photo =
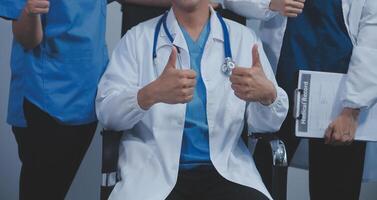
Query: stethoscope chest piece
228 66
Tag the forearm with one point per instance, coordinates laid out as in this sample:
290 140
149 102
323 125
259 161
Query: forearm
118 109
262 118
28 30
255 9
159 3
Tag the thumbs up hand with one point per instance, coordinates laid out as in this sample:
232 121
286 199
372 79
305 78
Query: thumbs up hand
36 7
251 84
173 86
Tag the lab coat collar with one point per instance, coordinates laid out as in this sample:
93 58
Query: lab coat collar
179 40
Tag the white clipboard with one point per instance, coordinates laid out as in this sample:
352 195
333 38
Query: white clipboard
318 103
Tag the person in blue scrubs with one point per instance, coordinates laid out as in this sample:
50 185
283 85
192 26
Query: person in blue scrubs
58 56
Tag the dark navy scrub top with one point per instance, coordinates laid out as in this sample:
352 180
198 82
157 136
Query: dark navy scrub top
316 40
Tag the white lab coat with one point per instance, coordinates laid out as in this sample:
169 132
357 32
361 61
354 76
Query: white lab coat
151 143
360 17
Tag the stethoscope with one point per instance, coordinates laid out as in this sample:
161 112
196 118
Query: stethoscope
228 64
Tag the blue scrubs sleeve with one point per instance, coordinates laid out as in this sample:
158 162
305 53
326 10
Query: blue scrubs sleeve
11 9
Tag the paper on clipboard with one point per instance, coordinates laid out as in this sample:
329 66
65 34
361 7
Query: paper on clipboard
318 103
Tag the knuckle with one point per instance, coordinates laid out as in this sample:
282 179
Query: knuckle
179 73
180 100
191 91
181 82
182 93
187 93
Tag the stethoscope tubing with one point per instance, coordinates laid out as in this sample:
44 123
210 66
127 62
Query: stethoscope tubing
228 63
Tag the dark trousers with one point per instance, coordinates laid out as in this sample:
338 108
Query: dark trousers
207 184
50 153
335 172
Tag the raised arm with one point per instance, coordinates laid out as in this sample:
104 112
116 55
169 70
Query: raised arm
268 114
267 103
122 102
28 29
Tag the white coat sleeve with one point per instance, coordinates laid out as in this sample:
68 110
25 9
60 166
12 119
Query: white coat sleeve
361 84
261 118
116 103
255 9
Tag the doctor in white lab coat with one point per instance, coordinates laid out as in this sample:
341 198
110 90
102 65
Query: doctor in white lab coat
146 101
360 21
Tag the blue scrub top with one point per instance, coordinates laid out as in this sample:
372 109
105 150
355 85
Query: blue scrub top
11 9
60 76
316 40
195 143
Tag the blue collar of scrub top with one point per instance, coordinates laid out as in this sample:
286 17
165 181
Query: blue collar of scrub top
228 65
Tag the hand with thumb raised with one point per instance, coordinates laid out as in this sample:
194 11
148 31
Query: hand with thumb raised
251 84
173 86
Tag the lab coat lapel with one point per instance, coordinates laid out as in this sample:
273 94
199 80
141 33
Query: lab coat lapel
213 54
214 80
179 40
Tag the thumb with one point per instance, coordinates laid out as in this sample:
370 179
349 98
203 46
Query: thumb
256 59
172 58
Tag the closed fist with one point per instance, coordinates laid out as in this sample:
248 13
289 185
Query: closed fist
36 7
251 84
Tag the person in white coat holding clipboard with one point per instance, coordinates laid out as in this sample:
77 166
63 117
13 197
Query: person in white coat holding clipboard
331 36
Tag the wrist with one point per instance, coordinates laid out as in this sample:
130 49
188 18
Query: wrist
353 112
28 13
270 97
272 6
146 97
